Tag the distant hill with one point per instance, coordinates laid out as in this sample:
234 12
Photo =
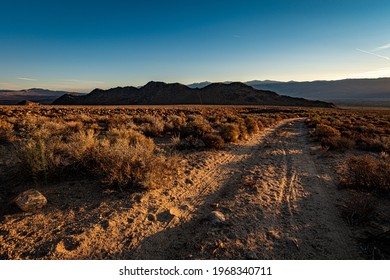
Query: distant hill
355 92
42 96
341 90
159 93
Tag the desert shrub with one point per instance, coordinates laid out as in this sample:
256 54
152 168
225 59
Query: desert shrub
251 125
150 125
243 131
213 141
359 208
74 126
78 144
365 173
337 143
153 129
196 126
122 157
370 144
128 159
174 124
267 122
6 131
41 159
324 131
230 132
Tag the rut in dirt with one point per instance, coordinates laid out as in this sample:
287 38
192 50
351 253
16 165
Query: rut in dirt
278 202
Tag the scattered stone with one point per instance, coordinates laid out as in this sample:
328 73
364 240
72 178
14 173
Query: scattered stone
137 198
152 217
214 205
108 224
168 215
216 218
251 256
30 200
189 181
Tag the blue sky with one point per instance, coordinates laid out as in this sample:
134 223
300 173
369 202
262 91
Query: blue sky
81 45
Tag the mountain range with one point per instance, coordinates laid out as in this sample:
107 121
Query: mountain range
370 92
42 96
348 91
159 93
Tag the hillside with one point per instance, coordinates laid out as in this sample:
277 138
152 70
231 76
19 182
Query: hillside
43 96
159 93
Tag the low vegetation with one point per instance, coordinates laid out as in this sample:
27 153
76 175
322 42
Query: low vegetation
118 145
366 173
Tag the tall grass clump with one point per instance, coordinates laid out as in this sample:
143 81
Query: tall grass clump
366 173
230 132
325 131
251 125
6 131
41 158
129 159
122 157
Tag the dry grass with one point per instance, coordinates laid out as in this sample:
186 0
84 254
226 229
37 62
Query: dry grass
213 141
122 157
359 208
115 144
128 160
230 132
365 173
6 131
325 131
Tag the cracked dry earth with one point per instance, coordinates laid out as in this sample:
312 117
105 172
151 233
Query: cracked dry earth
278 199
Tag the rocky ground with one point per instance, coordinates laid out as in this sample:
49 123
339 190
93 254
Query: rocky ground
271 197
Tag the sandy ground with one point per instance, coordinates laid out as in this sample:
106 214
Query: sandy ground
278 199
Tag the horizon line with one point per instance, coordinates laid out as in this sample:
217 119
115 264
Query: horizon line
75 90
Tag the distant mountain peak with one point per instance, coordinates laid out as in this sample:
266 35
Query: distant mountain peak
160 93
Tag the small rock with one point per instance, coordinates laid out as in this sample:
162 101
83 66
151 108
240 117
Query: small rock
168 215
214 205
152 217
216 218
138 198
251 256
189 181
30 200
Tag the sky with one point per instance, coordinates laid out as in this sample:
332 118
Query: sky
81 45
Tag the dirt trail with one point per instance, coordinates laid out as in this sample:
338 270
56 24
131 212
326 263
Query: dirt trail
277 205
277 199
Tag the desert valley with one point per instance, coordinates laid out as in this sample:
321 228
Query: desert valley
246 181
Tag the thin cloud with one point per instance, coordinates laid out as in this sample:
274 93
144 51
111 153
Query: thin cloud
83 81
26 79
374 54
384 47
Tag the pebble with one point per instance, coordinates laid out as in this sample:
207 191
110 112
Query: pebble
216 218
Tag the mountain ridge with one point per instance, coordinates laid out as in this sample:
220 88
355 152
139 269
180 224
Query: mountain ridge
39 95
333 90
160 93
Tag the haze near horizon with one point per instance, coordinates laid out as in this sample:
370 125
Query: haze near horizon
77 46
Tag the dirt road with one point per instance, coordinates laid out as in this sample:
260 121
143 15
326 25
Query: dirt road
277 200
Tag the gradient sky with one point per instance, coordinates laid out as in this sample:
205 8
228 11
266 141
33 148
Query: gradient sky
80 45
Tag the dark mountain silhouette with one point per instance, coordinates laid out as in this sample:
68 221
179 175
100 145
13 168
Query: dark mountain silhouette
42 96
28 103
159 93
